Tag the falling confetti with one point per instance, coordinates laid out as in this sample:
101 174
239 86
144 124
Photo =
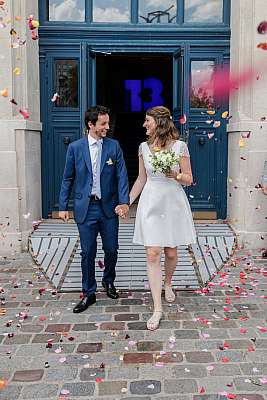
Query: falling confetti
4 93
17 71
262 46
262 27
183 119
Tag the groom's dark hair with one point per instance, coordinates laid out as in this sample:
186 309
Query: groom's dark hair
92 114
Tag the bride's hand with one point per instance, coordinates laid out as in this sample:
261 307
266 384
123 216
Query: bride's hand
171 174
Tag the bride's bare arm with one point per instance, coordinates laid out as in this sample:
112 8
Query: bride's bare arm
185 176
140 181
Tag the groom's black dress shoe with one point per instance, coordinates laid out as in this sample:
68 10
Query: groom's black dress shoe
110 290
84 303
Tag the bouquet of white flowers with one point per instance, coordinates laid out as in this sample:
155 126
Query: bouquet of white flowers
164 160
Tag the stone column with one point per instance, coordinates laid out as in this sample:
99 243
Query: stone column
20 145
247 206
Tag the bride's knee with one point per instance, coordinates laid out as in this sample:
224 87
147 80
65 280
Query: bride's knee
170 254
153 255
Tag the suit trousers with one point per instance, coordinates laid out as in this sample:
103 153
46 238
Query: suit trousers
96 222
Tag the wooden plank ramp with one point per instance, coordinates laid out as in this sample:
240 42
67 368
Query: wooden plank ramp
55 248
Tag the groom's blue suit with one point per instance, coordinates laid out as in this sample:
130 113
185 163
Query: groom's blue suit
94 216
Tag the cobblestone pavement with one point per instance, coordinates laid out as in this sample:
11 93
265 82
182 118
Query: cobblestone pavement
211 345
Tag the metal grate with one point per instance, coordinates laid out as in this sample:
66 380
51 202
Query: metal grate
56 249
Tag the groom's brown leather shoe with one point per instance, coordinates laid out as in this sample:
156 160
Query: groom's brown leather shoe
84 303
110 290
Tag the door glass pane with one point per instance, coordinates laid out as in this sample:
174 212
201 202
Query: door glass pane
66 83
67 10
202 85
111 10
203 11
157 11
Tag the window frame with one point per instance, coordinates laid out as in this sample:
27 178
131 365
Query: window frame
67 108
134 19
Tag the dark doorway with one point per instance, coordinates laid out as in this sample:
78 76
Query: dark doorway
129 85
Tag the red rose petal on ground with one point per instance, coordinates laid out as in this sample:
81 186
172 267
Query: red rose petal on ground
225 359
201 390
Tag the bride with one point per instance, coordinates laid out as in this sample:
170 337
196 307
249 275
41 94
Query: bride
163 218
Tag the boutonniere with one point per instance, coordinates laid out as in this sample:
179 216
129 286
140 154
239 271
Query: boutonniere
110 161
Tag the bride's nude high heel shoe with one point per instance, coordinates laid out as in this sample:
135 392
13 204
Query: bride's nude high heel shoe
153 322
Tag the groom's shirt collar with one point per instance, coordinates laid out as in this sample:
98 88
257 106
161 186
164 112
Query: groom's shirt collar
92 140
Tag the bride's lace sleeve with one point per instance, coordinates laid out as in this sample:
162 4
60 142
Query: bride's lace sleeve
140 153
184 152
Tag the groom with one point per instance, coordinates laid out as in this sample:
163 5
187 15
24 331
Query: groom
96 169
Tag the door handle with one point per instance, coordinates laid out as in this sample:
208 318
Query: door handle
201 141
66 140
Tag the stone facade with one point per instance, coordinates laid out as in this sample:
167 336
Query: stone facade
247 206
20 140
20 146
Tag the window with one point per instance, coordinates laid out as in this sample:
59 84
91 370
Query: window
157 11
203 11
111 10
202 85
67 10
66 83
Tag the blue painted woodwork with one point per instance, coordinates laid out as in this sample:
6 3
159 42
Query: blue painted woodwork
85 42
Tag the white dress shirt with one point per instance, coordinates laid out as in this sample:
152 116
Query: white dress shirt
93 148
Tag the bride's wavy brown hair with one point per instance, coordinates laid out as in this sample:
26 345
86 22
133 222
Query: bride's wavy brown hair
165 131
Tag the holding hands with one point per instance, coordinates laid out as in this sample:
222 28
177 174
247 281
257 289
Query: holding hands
122 210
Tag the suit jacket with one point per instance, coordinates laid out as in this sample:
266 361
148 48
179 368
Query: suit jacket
78 175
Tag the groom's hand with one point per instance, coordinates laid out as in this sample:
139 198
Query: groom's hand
122 210
64 215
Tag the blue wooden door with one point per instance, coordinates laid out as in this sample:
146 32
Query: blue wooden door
61 109
206 140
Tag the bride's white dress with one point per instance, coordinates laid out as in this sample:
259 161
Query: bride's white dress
163 216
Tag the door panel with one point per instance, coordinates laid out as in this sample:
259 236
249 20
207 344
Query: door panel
61 120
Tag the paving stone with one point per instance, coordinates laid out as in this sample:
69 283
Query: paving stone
89 347
242 383
67 373
55 328
44 337
113 326
32 328
225 370
236 314
261 343
149 346
180 386
169 357
232 355
145 387
11 392
217 333
90 374
123 373
111 387
39 391
117 309
28 375
127 302
199 357
223 324
259 356
76 360
254 368
65 348
84 327
137 325
137 358
244 307
188 371
179 315
17 339
126 317
99 317
79 389
186 334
